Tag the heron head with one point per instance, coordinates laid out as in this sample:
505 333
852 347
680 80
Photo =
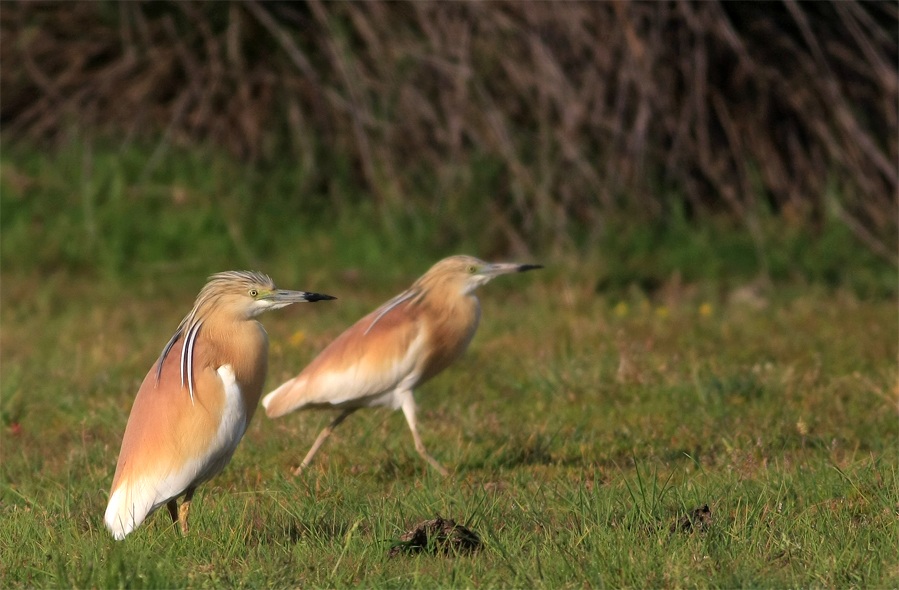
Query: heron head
247 294
470 272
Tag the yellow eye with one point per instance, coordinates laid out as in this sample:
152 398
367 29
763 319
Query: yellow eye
472 269
253 292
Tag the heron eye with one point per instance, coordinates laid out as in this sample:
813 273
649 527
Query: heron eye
472 269
253 292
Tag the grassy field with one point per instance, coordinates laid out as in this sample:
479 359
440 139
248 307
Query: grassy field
587 419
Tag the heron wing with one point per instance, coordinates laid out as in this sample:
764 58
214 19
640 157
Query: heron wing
371 358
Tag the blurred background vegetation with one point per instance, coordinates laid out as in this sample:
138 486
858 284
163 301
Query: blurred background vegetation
713 140
711 186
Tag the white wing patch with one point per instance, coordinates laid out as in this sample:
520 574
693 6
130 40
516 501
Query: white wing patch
359 386
232 424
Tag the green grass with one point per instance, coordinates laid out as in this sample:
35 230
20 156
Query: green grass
591 413
782 420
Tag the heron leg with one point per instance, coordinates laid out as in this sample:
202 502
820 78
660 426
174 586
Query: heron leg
321 439
172 505
184 509
409 412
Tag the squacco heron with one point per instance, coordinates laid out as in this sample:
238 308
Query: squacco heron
197 400
383 357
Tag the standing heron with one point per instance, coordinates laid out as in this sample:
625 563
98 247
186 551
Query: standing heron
197 400
383 357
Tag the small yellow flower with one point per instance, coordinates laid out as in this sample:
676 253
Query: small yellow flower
662 311
705 310
297 337
621 309
802 427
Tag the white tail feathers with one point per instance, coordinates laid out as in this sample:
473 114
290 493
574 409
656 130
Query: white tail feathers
132 501
275 403
125 512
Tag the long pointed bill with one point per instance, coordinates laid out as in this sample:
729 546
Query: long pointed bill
282 298
501 268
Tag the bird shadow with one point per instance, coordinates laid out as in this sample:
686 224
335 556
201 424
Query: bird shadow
402 467
320 530
517 452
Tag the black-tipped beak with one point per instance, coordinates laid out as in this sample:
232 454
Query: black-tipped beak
282 297
318 297
501 268
524 267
